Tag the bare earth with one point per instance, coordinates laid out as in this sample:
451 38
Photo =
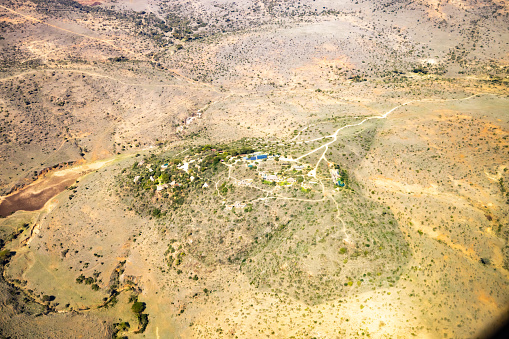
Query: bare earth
378 205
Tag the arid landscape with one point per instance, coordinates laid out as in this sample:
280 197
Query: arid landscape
254 169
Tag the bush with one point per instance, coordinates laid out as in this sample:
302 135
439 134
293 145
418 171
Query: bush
156 212
138 307
4 256
143 319
124 326
47 298
421 70
80 279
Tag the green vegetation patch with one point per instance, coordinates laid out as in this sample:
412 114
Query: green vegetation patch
158 184
312 259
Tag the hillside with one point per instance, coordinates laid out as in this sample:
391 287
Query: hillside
242 169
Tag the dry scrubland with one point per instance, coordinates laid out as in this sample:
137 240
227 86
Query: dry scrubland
159 228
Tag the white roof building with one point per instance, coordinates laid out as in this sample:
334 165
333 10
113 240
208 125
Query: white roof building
161 187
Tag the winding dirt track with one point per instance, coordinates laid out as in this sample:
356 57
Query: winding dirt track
325 146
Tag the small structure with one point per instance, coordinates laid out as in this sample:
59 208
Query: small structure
272 177
162 187
152 178
205 185
334 174
237 204
136 178
269 177
184 167
257 157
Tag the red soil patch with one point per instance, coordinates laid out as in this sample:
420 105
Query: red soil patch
34 196
89 2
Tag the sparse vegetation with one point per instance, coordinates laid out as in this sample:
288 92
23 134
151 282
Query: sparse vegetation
253 169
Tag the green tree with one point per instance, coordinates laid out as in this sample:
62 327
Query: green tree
4 256
138 307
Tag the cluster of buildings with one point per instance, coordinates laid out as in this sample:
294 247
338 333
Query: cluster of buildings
270 177
276 178
335 175
189 121
257 156
161 186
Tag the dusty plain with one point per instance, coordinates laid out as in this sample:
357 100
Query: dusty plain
377 207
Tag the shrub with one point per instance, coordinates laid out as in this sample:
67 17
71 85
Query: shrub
138 307
143 319
4 256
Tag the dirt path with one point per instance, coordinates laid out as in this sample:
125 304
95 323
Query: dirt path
302 130
325 146
383 116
